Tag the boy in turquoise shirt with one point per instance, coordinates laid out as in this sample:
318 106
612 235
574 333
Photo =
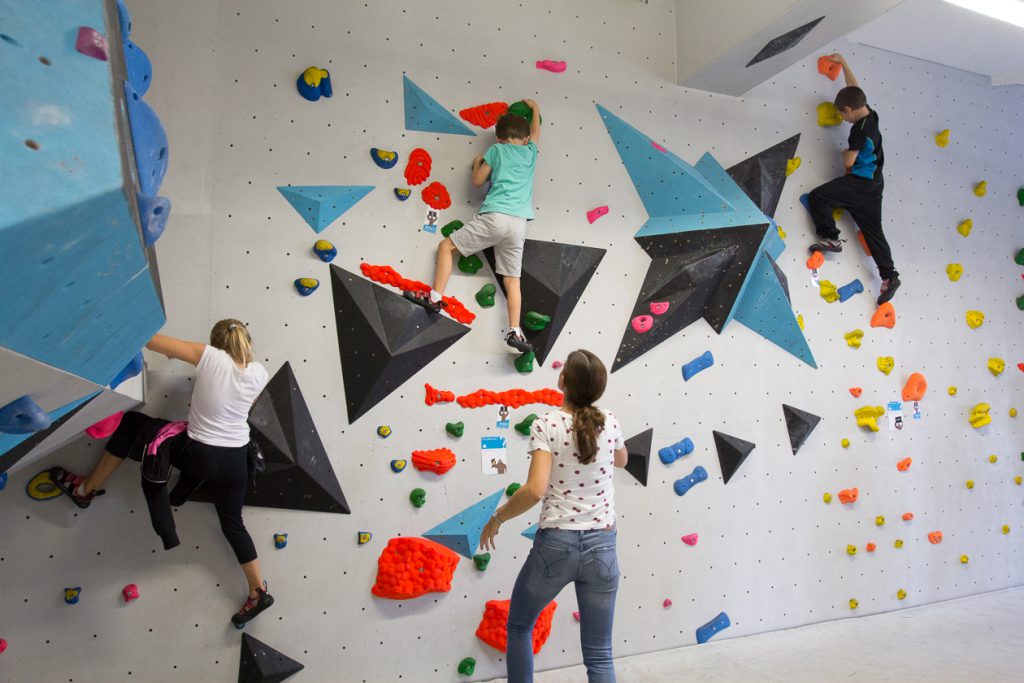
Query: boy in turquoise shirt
501 220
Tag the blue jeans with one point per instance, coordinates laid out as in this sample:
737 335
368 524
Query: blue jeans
562 556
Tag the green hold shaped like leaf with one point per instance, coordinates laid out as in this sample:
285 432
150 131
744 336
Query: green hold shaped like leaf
451 227
521 108
524 426
485 297
512 488
481 561
524 363
417 497
1019 258
467 666
470 264
455 428
1020 196
1020 302
535 322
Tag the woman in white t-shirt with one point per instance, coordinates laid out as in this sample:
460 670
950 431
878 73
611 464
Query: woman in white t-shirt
574 452
212 452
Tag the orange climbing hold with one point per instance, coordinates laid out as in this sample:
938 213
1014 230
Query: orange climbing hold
885 316
513 398
935 537
438 461
484 115
817 260
908 516
438 395
410 567
826 67
386 275
904 464
915 387
436 196
863 242
856 392
417 169
493 628
847 496
870 547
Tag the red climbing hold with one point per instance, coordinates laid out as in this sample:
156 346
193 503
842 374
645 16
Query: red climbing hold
856 392
493 628
438 461
130 592
935 537
513 398
904 464
596 213
817 260
436 196
387 275
417 169
826 67
438 395
484 115
410 567
847 496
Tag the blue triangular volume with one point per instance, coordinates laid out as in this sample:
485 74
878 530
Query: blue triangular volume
764 308
461 532
423 112
531 533
320 205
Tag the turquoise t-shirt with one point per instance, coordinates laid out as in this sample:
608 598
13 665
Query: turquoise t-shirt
511 179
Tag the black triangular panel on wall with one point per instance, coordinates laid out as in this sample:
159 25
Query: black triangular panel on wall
260 663
639 449
799 424
731 453
763 175
786 41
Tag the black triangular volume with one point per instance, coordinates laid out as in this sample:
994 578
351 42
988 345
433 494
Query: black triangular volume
260 663
786 41
799 424
731 453
270 419
11 457
763 175
554 276
383 339
639 448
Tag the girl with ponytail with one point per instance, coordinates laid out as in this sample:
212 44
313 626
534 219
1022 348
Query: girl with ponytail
574 450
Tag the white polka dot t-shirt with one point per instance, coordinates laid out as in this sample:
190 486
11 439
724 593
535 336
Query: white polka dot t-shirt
578 496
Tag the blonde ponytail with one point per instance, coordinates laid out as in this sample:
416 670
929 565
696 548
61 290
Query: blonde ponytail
231 336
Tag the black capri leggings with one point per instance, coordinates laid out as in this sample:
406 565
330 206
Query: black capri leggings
222 470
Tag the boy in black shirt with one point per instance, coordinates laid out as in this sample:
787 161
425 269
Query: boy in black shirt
860 190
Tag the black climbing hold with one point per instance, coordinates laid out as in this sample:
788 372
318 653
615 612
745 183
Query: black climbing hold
639 448
800 424
260 663
731 453
786 41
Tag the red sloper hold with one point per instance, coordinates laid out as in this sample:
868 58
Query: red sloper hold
436 196
437 395
513 398
438 460
410 567
826 67
485 115
493 628
386 275
417 169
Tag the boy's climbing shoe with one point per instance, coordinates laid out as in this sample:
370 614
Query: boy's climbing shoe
252 607
832 246
889 288
68 483
423 299
518 342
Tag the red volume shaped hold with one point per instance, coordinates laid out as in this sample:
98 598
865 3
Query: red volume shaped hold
417 169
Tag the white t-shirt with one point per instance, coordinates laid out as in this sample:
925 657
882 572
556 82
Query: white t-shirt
221 399
578 496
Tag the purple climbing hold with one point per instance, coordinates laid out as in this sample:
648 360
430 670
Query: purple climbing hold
153 213
669 454
23 416
681 486
719 623
91 43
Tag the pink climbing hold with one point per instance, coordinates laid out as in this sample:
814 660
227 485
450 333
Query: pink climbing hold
551 65
690 539
658 147
659 307
596 213
555 365
576 616
91 43
3 645
106 426
642 323
130 592
667 603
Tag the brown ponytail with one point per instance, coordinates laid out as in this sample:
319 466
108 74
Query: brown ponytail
231 336
585 378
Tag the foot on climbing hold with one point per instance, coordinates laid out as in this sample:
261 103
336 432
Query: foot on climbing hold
965 227
383 157
848 290
856 392
451 227
854 338
455 428
325 250
981 189
868 416
816 260
979 416
681 486
849 496
885 316
642 323
719 623
524 426
470 264
975 319
885 364
535 322
690 539
942 139
792 165
467 666
485 297
954 271
828 115
828 291
551 65
524 363
23 416
596 213
701 362
481 561
669 454
306 285
996 366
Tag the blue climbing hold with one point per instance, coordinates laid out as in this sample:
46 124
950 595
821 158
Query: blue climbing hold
701 362
402 193
383 158
71 595
461 532
149 141
531 533
133 368
325 250
846 291
719 623
423 112
280 541
306 285
320 205
669 454
3 481
805 199
138 68
683 485
153 213
23 416
124 18
313 83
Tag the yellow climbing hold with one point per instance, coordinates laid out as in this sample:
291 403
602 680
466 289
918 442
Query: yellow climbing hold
782 233
828 115
792 165
898 543
800 321
837 214
993 459
853 338
900 594
845 443
979 416
965 227
1013 412
827 497
853 603
1018 480
996 366
885 364
975 319
828 291
954 271
312 76
952 391
851 550
970 483
981 189
942 139
964 559
868 417
880 520
1006 528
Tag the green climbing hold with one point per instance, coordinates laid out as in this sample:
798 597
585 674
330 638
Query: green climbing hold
470 264
521 108
1020 302
467 666
524 426
512 488
535 322
1020 196
481 561
455 428
485 297
448 229
1019 258
418 497
524 363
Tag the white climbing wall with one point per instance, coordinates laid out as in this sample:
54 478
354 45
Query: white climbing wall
771 554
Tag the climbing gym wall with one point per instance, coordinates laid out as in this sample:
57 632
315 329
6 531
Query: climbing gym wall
747 360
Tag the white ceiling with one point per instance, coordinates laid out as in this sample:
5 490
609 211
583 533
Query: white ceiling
939 32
